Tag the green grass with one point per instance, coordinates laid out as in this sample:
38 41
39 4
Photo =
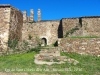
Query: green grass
89 65
84 36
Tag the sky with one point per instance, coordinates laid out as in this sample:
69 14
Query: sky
57 9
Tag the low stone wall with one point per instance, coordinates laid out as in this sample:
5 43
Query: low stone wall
80 45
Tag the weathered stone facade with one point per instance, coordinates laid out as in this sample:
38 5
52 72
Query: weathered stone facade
43 29
81 26
68 24
11 21
15 25
91 26
4 26
80 45
88 26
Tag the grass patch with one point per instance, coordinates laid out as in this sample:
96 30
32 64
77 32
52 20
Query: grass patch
37 49
84 36
47 60
89 65
56 60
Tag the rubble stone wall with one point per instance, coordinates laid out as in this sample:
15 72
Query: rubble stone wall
91 26
4 27
68 24
43 29
16 24
88 26
80 45
11 22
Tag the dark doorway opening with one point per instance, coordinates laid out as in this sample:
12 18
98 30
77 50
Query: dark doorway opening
43 42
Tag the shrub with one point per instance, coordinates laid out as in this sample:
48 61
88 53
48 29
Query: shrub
25 43
38 41
55 60
32 22
55 44
37 49
29 37
12 43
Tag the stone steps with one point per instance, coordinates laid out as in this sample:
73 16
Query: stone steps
51 56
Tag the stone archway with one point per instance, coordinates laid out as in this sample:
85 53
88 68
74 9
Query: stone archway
43 41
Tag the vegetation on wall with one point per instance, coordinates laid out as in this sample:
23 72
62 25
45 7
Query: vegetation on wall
25 43
36 49
21 47
38 41
32 22
29 36
71 31
55 44
12 43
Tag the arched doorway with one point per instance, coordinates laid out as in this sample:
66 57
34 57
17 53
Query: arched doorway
43 42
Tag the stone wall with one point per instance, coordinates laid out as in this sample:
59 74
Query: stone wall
42 29
11 22
88 26
80 45
91 26
4 27
16 24
68 24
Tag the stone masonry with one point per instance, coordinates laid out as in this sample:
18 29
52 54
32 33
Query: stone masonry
52 56
52 30
11 21
88 26
15 25
80 45
43 29
91 26
68 24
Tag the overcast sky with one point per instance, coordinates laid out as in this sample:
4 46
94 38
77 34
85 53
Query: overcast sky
58 9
